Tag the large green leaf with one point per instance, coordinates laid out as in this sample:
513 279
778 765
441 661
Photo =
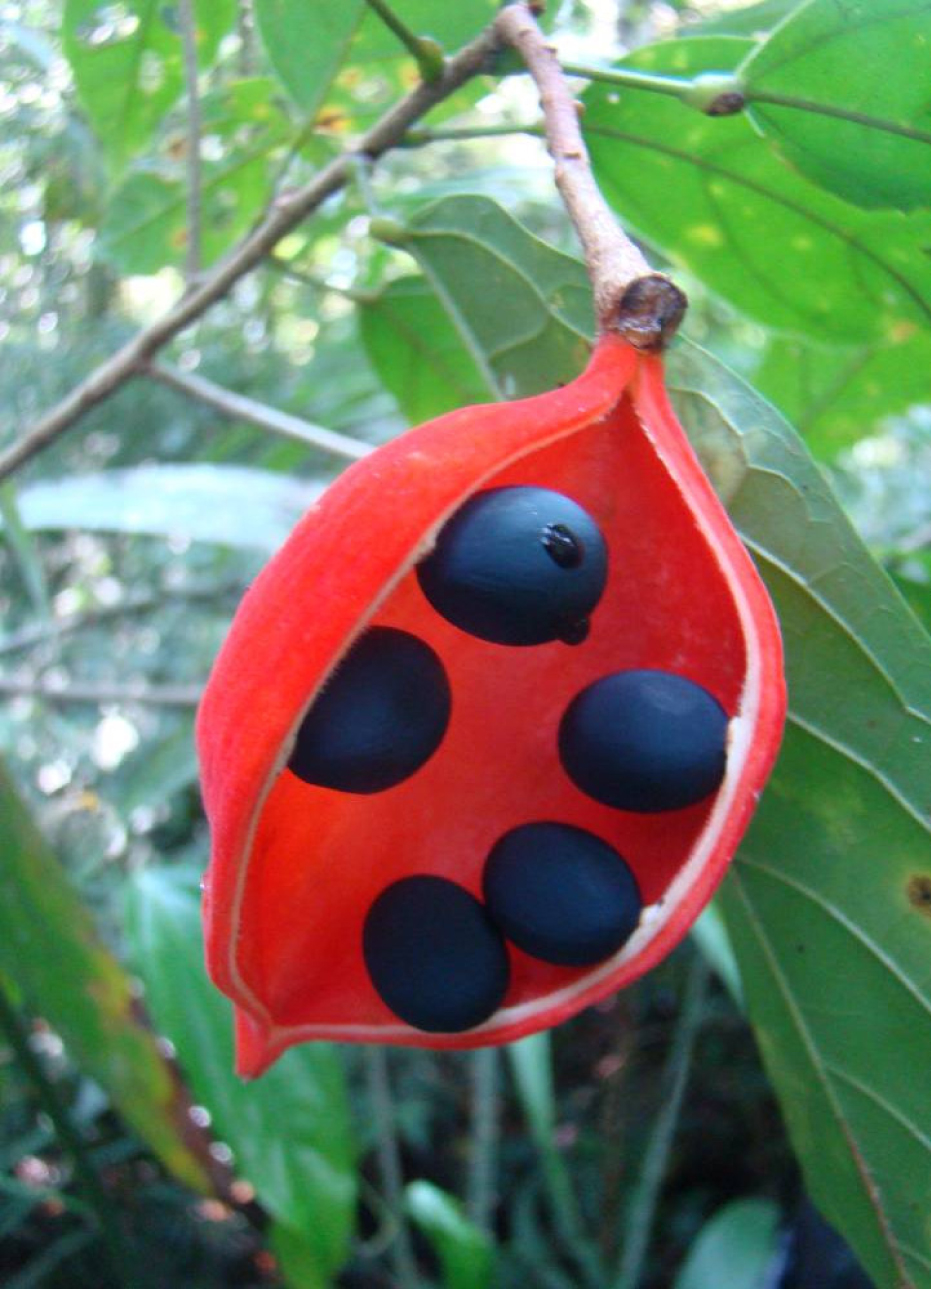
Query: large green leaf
49 948
290 1131
128 64
201 502
843 90
522 308
713 195
835 396
306 40
417 352
827 904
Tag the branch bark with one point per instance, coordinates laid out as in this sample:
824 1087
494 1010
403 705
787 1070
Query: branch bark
241 408
645 307
115 692
284 215
194 189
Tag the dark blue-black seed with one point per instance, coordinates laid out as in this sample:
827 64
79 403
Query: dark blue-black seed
434 956
561 894
644 740
517 566
380 716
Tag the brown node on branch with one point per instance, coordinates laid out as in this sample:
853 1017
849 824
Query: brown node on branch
649 312
727 104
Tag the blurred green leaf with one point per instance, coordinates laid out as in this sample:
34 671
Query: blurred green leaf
836 396
200 502
827 904
531 1061
466 1253
128 66
144 227
754 20
290 1131
23 549
49 948
522 308
736 1248
842 89
532 1066
710 934
306 40
417 352
712 195
378 69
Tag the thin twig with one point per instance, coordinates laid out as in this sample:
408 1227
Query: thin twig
118 1251
466 133
188 24
241 408
284 215
484 1136
630 298
75 691
389 1160
631 78
40 632
426 52
642 1209
297 274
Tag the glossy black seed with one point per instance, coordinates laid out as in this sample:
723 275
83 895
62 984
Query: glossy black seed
644 740
434 956
378 719
517 566
561 894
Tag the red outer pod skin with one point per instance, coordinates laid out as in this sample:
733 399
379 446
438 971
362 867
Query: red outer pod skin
295 867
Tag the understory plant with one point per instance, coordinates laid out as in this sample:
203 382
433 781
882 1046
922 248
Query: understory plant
246 244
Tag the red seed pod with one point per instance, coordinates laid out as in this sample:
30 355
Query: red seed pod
373 721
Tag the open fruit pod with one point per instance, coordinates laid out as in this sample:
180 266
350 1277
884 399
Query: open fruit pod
486 731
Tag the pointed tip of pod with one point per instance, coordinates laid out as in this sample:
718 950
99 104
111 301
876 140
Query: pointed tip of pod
255 1051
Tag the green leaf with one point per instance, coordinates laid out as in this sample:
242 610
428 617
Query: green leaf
145 225
713 196
918 598
755 20
49 948
736 1247
710 935
842 89
306 41
828 901
417 352
128 64
836 396
23 550
466 1253
290 1131
201 502
522 308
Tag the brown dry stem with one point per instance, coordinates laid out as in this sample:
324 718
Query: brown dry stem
630 298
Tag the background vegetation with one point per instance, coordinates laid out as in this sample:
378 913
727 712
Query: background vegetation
677 1134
